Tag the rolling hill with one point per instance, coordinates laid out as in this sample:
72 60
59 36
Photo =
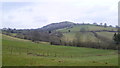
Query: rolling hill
20 52
92 32
55 26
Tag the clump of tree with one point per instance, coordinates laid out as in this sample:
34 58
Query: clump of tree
68 30
35 35
95 24
55 38
77 40
116 37
110 26
101 24
55 26
105 25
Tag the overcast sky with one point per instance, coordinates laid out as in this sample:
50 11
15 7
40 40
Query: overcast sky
29 14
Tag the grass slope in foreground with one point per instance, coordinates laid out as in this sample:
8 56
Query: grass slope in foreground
18 52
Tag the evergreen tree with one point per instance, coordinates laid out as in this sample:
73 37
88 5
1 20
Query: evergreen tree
105 25
100 24
68 30
116 37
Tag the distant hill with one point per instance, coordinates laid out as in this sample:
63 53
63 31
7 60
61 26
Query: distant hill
55 26
70 34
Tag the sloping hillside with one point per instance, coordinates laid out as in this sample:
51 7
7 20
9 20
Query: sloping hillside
88 31
55 26
69 34
19 52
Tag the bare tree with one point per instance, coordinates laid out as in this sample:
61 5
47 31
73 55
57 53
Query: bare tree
35 36
77 39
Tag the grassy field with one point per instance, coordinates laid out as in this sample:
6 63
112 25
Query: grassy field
19 52
88 36
88 27
69 36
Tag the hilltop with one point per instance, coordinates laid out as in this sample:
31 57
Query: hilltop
55 26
